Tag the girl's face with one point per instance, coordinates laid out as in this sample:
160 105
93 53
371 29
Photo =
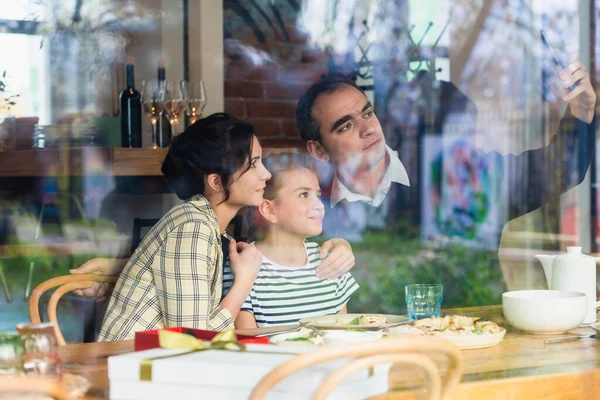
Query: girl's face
297 207
247 187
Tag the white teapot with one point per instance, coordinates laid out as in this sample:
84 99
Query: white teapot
573 271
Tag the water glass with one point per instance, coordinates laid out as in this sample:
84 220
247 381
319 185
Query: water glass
11 354
41 349
424 301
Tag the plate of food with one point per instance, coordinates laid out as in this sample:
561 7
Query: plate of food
466 332
300 337
355 321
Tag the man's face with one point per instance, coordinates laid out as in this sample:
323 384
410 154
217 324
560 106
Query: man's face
351 134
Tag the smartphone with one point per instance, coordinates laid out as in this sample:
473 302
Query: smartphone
554 55
557 60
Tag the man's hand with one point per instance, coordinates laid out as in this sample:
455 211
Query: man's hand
582 98
101 266
337 259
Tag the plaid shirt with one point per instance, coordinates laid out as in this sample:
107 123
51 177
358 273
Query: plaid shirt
174 277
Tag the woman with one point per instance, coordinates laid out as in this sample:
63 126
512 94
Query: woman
174 278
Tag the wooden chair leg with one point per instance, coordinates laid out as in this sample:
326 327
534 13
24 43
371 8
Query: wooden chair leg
5 284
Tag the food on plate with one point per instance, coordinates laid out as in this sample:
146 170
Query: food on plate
303 336
372 320
452 325
367 319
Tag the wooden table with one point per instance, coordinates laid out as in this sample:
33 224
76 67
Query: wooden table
520 367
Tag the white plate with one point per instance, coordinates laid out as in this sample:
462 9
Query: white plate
464 342
342 321
282 338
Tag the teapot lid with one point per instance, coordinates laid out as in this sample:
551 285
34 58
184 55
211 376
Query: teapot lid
574 251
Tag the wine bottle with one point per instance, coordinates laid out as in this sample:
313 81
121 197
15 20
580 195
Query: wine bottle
131 111
163 126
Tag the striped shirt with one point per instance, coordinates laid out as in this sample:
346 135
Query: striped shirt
283 295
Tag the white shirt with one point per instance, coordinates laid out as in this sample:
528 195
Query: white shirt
395 172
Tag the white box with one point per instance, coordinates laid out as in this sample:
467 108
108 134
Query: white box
232 375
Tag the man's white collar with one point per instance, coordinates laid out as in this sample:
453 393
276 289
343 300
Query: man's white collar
395 172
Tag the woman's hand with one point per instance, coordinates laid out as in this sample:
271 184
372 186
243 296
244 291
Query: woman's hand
101 266
337 259
245 260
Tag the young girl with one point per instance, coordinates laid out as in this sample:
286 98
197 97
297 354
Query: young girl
174 278
287 288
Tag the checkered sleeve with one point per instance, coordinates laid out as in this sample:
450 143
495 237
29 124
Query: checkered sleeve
187 260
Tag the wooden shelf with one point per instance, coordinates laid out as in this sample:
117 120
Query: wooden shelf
82 161
99 161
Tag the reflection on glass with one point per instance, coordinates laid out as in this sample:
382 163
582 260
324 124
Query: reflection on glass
194 95
11 354
41 349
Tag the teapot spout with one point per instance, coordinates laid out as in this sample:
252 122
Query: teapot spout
547 263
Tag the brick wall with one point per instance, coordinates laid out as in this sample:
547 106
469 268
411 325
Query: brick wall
263 81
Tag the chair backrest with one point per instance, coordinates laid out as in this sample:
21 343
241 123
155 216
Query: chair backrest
65 284
415 351
20 385
136 235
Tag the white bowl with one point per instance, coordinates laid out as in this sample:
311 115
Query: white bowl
344 337
544 311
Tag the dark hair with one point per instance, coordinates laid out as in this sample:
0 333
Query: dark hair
307 126
218 144
277 163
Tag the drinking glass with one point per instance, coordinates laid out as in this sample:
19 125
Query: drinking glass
150 104
194 95
41 349
172 103
11 354
423 300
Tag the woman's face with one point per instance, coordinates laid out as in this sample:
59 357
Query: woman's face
248 186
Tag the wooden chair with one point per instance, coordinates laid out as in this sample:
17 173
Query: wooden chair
65 284
400 350
50 201
33 384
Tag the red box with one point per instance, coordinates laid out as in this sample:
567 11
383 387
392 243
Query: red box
145 340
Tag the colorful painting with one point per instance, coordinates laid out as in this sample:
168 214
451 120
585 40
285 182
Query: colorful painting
461 192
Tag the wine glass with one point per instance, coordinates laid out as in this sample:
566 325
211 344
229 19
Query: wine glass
172 103
150 103
194 95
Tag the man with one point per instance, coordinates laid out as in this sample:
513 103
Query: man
337 122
